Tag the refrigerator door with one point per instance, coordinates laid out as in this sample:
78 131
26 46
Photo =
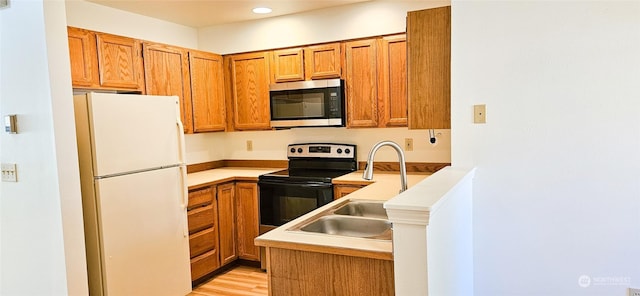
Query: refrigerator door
133 132
143 234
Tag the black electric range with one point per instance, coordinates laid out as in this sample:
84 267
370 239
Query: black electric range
306 184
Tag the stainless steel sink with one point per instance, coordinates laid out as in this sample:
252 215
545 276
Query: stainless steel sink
371 209
350 226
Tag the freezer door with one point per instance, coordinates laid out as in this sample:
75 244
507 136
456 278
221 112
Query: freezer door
133 132
143 232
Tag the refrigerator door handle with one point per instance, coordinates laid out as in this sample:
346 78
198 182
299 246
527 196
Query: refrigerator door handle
181 144
185 197
183 166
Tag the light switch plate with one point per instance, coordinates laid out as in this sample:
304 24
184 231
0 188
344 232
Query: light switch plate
479 113
9 173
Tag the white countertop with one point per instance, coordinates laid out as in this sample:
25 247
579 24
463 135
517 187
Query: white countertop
226 174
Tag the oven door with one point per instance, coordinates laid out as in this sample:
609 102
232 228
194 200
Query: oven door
282 200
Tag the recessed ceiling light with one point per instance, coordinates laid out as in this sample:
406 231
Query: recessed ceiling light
262 10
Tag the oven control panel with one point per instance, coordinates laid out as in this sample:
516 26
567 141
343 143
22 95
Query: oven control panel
322 150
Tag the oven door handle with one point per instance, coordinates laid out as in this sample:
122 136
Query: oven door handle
297 184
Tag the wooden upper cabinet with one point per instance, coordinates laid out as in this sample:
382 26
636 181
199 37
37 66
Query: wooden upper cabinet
288 65
104 61
248 220
249 91
207 91
323 61
361 62
393 81
119 62
84 58
166 71
429 68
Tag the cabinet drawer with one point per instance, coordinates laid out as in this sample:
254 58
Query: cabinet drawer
200 197
204 264
201 242
200 218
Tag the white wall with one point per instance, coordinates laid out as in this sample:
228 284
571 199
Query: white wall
338 23
42 241
556 192
88 15
273 144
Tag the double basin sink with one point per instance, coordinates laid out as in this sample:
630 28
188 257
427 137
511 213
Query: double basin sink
355 218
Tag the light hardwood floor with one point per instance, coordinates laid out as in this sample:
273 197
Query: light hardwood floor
238 281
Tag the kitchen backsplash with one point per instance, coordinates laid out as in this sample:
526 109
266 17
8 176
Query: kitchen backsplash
272 144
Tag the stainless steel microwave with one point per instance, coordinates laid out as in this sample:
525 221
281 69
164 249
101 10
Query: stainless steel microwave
307 103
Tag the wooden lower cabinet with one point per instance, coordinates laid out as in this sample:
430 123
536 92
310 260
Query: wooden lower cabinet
203 232
227 223
310 273
247 220
223 222
204 264
340 191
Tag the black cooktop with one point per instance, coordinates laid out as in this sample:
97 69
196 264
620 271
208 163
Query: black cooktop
324 176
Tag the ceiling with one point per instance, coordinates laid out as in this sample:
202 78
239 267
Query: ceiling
203 13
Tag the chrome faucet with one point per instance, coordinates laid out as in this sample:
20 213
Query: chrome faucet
368 171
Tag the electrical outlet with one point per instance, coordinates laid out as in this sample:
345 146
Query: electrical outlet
9 173
634 292
408 144
479 114
249 145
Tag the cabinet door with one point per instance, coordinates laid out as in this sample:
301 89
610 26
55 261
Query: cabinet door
250 91
166 71
288 65
83 54
340 191
393 81
248 221
323 61
429 64
227 223
119 62
361 83
207 91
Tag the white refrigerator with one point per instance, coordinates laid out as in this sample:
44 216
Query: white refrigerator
134 195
